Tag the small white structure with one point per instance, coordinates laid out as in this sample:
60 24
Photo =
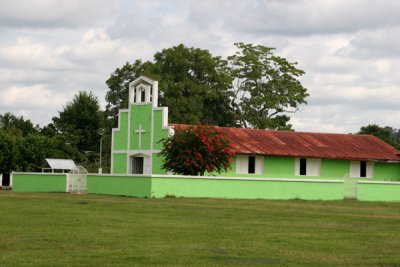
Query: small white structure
59 165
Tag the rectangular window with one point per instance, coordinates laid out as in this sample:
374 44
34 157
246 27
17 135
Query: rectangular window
249 164
252 164
363 169
303 166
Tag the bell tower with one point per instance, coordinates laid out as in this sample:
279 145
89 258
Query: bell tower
143 90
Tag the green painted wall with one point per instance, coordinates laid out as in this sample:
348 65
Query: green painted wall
387 171
159 133
188 187
121 136
133 186
39 182
334 169
378 192
284 167
119 163
140 115
279 167
157 163
142 186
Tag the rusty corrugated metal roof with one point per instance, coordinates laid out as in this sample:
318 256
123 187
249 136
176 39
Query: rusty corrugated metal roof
310 145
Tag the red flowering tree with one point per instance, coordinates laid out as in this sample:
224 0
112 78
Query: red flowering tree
193 150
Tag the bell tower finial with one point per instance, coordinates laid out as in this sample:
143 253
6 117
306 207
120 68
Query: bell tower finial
143 90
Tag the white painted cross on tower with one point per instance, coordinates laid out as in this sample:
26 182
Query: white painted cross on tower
140 131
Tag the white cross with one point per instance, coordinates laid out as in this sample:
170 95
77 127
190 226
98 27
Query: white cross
140 131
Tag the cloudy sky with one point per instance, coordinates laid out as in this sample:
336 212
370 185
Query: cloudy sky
349 49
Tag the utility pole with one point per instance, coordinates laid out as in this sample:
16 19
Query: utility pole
101 150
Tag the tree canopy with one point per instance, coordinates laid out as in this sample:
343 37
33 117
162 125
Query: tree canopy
7 152
81 121
16 125
252 88
194 85
265 87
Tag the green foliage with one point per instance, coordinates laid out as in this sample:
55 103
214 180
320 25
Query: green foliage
81 121
253 87
194 85
32 150
118 83
193 150
265 87
387 134
16 125
7 152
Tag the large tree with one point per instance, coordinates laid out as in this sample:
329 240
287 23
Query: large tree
194 85
265 87
80 122
252 88
387 134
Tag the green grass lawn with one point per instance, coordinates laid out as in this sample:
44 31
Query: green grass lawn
90 230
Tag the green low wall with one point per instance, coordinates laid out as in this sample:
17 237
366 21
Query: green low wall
384 191
251 189
39 182
120 185
160 186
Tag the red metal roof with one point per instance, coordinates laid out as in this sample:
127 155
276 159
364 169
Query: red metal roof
310 145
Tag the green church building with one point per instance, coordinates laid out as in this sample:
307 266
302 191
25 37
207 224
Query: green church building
259 153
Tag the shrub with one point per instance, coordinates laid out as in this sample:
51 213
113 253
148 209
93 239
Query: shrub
193 150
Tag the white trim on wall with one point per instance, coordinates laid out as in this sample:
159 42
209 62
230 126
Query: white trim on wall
355 169
113 130
297 166
242 164
370 169
313 167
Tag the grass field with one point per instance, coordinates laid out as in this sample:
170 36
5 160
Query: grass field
90 230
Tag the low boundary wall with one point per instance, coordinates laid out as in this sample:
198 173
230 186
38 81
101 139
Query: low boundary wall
38 182
159 186
120 185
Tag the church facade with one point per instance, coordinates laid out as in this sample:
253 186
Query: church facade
259 153
135 143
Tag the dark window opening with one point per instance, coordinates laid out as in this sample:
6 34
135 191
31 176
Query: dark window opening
303 166
252 164
363 169
143 96
137 165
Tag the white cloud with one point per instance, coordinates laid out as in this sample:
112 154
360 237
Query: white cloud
348 49
30 97
54 13
25 53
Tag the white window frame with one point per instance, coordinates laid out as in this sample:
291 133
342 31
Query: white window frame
355 166
242 164
313 167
